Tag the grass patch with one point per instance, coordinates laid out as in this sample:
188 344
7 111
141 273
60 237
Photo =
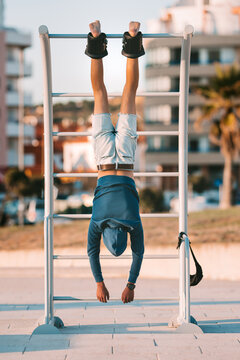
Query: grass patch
203 226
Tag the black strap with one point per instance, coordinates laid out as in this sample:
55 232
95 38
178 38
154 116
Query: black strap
197 277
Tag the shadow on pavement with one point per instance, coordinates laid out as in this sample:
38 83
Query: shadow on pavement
229 326
83 304
124 328
24 343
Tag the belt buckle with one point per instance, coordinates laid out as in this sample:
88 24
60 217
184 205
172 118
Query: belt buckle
99 167
116 165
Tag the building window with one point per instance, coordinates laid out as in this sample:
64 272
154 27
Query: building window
174 119
12 115
194 57
227 55
12 54
175 84
193 145
11 85
213 55
175 56
160 83
160 113
160 55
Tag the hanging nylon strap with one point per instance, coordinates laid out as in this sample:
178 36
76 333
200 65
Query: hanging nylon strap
197 277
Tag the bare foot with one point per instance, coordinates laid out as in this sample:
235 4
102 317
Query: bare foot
134 28
95 28
102 292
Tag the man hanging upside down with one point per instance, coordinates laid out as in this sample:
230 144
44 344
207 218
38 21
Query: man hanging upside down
116 201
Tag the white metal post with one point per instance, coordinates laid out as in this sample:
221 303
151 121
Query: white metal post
21 111
184 301
21 130
48 172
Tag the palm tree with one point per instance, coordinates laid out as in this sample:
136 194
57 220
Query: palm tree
221 109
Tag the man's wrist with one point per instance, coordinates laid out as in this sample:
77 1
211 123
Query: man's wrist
130 285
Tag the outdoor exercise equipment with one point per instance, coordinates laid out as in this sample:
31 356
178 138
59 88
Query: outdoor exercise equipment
183 321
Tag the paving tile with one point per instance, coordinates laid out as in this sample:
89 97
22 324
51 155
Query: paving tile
13 343
11 355
90 351
120 331
45 355
47 342
80 340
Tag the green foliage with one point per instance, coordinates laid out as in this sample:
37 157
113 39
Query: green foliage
199 183
20 184
151 200
17 182
36 186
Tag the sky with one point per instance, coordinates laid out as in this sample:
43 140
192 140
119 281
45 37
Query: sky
70 66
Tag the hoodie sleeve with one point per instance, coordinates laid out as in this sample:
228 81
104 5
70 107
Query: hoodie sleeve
137 246
93 250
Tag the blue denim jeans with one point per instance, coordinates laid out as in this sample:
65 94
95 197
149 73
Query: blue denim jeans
114 145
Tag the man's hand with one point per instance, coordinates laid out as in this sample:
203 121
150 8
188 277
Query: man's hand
127 295
102 292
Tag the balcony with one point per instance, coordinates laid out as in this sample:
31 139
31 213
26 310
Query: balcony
194 158
12 130
13 99
15 38
12 69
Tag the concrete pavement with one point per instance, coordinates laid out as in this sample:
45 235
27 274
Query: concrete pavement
137 330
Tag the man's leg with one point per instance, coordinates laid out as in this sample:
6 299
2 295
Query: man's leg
99 89
128 105
100 107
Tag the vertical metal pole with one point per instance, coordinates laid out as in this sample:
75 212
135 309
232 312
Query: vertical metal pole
187 281
21 130
21 111
183 168
48 172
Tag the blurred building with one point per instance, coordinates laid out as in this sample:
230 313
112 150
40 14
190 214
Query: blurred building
216 39
12 42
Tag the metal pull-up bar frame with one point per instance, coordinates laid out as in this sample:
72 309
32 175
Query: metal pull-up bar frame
50 322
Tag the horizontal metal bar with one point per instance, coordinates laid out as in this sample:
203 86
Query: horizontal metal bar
109 257
118 94
72 298
137 174
89 133
88 216
115 36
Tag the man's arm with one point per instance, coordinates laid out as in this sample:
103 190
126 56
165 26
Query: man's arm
137 246
93 250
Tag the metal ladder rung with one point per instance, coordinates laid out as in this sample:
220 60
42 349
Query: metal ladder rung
137 174
88 216
118 94
85 257
144 133
72 298
116 36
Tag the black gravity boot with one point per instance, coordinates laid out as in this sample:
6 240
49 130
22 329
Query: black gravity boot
96 46
132 45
